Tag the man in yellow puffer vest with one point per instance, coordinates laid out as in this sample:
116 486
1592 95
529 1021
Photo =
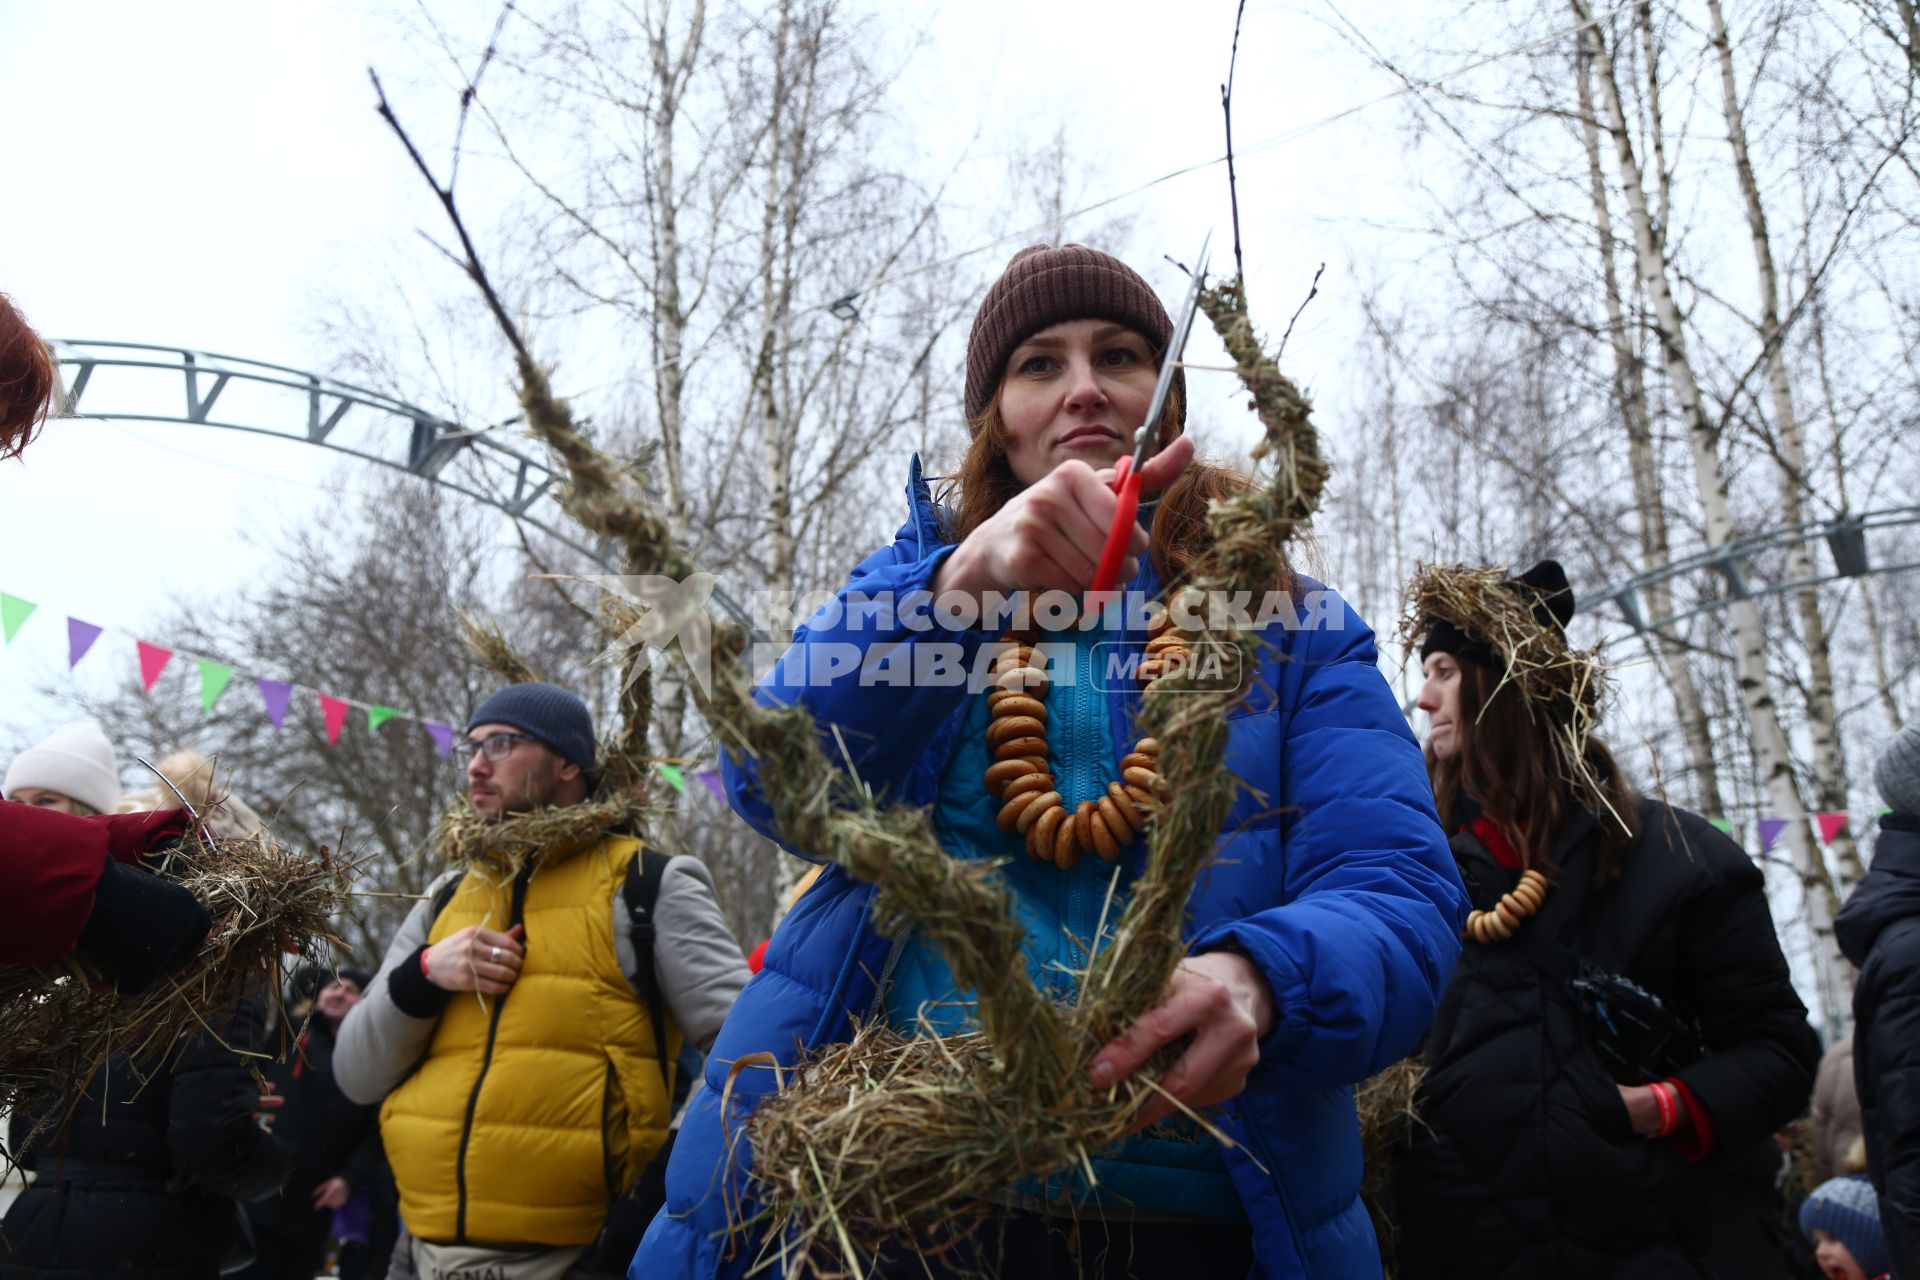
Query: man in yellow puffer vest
521 1085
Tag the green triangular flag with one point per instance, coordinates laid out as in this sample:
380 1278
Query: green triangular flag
1722 825
1882 811
674 777
213 682
13 612
377 716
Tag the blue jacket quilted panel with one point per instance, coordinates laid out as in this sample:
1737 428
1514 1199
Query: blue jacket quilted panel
1333 876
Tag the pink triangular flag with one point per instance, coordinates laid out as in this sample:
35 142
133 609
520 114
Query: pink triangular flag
711 777
335 712
1830 824
80 638
153 660
441 734
276 693
1770 829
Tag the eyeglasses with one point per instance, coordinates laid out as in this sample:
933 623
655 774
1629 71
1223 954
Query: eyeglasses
495 746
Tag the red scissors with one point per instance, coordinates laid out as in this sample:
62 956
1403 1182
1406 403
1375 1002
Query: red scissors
1126 473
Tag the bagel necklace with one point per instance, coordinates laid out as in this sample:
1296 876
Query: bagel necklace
1021 775
1516 905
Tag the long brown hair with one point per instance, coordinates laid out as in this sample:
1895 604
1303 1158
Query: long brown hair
1505 765
26 380
1178 537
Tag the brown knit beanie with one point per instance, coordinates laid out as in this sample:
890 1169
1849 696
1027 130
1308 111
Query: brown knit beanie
1045 285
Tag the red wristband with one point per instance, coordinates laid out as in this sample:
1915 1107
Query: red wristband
1669 1109
424 971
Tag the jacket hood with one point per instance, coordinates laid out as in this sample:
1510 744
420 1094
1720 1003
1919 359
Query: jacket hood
1890 893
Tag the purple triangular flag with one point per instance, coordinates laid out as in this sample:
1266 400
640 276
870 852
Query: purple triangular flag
80 638
1770 829
712 778
276 693
442 736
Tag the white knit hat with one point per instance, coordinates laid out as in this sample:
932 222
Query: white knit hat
75 760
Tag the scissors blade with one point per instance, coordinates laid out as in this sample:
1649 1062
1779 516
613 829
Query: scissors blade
1170 362
167 782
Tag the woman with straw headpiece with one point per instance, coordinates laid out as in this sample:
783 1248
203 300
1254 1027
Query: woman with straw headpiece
1621 1040
1318 940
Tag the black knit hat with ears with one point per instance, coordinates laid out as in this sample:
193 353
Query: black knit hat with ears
1552 602
1046 285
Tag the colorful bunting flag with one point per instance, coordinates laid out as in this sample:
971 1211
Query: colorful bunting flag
80 638
335 712
1770 829
1830 824
275 693
674 777
213 681
377 716
441 734
711 777
153 660
1721 825
13 612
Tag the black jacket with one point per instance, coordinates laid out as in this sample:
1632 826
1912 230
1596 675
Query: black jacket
144 1181
1880 932
1526 1164
328 1134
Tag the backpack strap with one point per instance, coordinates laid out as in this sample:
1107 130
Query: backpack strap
641 892
442 896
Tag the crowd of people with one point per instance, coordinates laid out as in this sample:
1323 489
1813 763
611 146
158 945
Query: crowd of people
542 1079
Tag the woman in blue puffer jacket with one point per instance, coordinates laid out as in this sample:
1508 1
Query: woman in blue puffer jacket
1319 940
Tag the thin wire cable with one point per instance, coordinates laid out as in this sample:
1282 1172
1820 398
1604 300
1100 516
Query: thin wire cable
1265 144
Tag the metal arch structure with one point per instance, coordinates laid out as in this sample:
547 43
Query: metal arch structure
311 408
1845 540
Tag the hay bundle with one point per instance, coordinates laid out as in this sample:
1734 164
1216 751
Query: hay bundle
60 1023
1385 1104
1563 688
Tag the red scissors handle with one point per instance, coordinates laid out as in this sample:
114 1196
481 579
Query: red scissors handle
1126 483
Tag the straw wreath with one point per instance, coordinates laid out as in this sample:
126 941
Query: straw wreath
1563 688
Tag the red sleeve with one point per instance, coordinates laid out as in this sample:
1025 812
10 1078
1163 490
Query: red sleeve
1696 1140
49 865
758 956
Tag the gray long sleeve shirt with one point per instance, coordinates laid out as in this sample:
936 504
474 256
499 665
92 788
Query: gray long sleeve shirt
698 964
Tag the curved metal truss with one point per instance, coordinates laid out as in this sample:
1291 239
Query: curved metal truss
1847 551
129 381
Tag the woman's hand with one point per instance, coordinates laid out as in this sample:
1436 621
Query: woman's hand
1050 535
477 959
1644 1111
1222 1001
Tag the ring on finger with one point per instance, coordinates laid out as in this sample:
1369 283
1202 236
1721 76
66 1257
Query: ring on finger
495 957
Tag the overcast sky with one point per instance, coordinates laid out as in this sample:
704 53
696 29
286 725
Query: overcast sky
205 174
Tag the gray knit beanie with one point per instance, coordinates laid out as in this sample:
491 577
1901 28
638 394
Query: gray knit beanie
554 715
1046 285
1898 771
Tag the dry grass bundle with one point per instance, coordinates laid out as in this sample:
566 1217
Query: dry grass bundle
1563 688
60 1023
1387 1120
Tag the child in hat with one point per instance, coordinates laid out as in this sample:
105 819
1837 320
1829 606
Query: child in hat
1842 1218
